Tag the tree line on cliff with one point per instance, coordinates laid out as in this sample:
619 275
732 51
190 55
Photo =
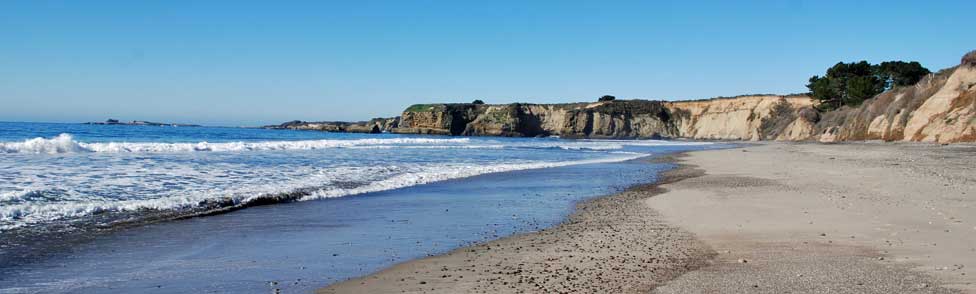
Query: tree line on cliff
852 83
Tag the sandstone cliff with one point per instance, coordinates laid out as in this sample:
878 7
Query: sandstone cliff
759 117
939 108
740 118
614 119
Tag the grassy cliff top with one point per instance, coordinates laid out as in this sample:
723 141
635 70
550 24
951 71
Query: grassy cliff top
742 96
436 107
617 106
424 107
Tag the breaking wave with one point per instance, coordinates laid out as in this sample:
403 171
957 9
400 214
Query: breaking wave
65 143
341 182
143 180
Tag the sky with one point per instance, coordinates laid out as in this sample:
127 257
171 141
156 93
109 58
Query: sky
246 63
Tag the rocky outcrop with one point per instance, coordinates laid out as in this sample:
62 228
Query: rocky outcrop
383 124
376 125
437 119
620 119
611 119
741 118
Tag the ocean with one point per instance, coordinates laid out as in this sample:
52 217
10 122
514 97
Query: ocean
115 208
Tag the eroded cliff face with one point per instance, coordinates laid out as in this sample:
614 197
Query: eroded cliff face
741 118
616 119
437 119
765 117
940 108
619 119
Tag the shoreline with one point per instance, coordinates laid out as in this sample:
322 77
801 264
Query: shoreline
23 245
688 232
301 246
574 256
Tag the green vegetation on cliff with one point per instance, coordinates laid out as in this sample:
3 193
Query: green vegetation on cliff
627 107
851 83
424 107
969 58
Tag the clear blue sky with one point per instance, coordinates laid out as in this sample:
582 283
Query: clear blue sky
250 62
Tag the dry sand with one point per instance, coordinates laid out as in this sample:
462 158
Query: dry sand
814 218
770 218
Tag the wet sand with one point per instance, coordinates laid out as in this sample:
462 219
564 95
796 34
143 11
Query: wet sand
769 218
608 245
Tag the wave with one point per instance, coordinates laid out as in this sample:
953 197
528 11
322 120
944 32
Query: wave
62 143
19 214
65 143
11 196
407 180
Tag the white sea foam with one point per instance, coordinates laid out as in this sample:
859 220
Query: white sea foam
406 180
65 143
8 196
373 178
170 176
62 143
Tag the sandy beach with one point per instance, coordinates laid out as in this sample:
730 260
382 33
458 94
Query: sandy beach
485 147
767 218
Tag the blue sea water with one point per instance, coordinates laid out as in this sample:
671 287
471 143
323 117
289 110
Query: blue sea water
342 205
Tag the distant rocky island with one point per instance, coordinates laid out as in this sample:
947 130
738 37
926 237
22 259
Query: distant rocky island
139 123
